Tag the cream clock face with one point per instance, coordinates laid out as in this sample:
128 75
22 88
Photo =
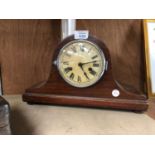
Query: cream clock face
81 63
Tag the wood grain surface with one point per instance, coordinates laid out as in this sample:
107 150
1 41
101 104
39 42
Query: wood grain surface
124 39
26 50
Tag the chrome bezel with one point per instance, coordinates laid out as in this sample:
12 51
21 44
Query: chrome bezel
87 84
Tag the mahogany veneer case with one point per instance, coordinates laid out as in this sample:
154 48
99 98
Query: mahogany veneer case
56 91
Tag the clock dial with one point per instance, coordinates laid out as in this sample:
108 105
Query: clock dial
81 63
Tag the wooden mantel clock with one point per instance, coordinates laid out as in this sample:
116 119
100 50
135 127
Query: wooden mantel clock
81 75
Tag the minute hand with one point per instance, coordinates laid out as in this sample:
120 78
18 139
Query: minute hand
88 62
80 65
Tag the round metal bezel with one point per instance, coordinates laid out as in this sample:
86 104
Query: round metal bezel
87 84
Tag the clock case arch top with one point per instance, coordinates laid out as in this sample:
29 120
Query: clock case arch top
56 91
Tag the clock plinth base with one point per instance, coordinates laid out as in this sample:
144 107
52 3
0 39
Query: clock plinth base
40 95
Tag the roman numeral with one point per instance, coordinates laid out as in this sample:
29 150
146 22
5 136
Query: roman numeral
73 49
71 76
65 63
79 79
67 54
89 49
82 48
68 69
94 56
96 65
91 71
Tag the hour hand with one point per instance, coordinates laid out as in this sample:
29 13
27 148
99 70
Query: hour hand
80 65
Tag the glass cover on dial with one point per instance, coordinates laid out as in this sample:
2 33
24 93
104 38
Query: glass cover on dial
81 63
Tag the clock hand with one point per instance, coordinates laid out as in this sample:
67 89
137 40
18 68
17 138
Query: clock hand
88 62
86 75
80 65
